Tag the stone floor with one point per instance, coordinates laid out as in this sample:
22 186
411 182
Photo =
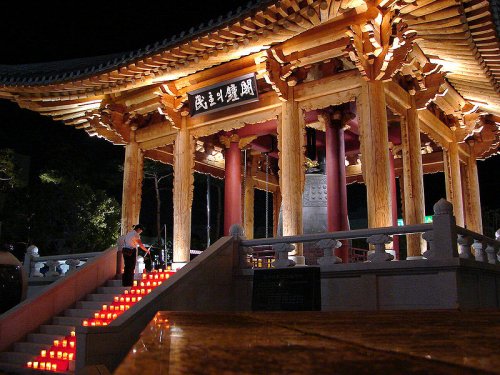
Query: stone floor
416 342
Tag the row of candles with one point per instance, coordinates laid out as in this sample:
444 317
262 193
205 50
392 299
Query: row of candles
57 358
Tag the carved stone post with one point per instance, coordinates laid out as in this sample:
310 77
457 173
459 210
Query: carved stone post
413 181
52 271
72 264
479 251
444 233
453 181
465 243
290 142
470 188
282 260
132 184
328 246
183 193
491 254
379 241
371 109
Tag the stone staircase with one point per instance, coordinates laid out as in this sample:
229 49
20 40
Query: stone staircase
62 326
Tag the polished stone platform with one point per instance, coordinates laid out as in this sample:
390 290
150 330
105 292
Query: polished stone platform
409 342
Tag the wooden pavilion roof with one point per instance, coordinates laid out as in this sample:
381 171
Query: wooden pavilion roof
459 35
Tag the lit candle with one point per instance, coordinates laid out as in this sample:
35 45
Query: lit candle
72 344
160 270
105 307
59 354
127 299
122 299
156 277
133 299
56 342
65 343
92 324
71 356
42 365
96 315
30 364
149 290
65 356
52 354
144 275
135 282
122 308
43 353
116 299
73 333
35 364
139 298
126 291
115 316
54 367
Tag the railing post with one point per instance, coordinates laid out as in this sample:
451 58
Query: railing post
491 254
479 251
379 241
497 237
237 232
52 264
72 263
282 250
444 237
328 246
465 243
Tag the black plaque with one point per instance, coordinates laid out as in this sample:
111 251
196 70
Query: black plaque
287 289
227 94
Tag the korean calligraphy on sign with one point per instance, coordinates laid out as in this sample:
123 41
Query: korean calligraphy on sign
223 95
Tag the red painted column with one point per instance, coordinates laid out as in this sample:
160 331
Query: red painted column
332 176
232 187
336 180
394 202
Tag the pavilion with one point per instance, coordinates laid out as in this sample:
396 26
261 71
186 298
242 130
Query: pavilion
384 89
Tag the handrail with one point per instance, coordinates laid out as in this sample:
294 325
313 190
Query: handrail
477 236
31 313
341 235
66 256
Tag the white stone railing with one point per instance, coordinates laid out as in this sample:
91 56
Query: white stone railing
443 237
65 263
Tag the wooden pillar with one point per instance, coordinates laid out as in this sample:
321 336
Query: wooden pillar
413 178
248 220
232 183
276 211
394 202
290 143
374 142
132 184
472 200
183 192
453 181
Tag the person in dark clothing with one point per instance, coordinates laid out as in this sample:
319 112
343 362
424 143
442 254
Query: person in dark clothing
131 242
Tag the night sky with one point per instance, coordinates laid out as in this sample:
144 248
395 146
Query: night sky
50 31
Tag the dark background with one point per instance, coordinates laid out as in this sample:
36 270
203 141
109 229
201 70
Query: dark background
51 31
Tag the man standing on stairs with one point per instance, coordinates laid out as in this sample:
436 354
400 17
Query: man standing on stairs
129 251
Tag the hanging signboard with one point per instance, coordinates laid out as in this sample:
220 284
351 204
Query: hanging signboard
223 95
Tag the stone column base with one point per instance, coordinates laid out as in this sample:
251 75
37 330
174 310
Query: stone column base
416 257
298 259
178 265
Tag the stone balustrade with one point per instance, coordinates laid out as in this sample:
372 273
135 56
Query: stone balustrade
444 239
54 266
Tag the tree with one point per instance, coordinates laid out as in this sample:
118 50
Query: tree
63 215
157 172
9 172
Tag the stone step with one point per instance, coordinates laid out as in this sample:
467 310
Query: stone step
54 329
80 313
89 305
68 321
105 298
114 283
33 348
43 338
115 290
16 357
21 369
